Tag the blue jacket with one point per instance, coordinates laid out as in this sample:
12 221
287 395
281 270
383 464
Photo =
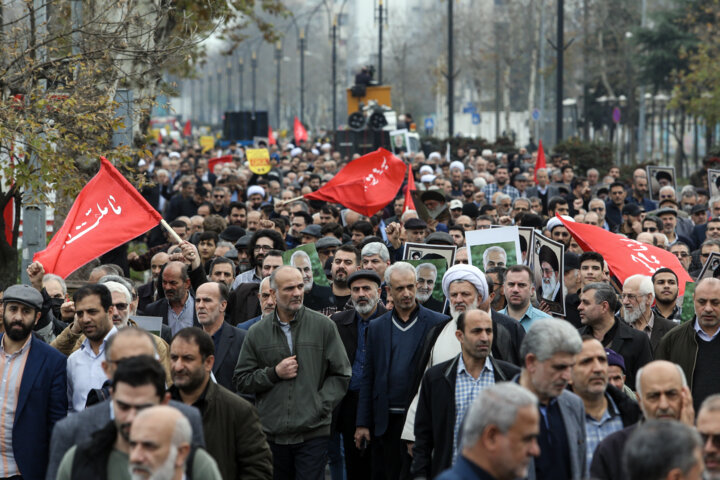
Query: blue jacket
374 404
42 402
465 470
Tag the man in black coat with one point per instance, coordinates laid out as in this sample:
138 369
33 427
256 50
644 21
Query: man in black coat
352 323
210 305
178 299
598 304
437 420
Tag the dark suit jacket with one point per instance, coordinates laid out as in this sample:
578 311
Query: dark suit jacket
660 327
434 305
508 334
633 345
374 404
435 416
145 295
226 355
78 428
160 309
42 401
319 298
552 191
346 322
243 303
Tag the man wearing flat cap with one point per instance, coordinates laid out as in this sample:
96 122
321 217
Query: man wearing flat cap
34 387
352 325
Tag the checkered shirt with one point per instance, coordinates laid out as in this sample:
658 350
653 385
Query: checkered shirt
597 430
508 189
466 389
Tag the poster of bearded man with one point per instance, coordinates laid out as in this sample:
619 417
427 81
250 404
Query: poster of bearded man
548 267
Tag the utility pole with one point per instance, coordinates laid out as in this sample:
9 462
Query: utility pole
334 72
228 85
541 68
241 69
33 209
560 72
380 41
302 73
278 60
253 65
643 107
451 73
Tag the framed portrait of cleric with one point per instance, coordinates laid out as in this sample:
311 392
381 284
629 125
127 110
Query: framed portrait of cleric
494 247
713 176
399 140
525 235
711 268
304 256
659 177
548 260
423 251
430 272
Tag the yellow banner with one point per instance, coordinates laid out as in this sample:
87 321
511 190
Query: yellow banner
207 142
258 160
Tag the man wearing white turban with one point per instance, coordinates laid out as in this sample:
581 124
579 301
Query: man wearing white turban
466 288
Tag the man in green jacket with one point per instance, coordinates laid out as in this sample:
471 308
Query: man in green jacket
294 362
234 436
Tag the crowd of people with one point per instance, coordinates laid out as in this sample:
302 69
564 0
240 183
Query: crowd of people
257 371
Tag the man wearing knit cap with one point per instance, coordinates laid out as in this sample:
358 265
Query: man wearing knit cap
255 195
466 288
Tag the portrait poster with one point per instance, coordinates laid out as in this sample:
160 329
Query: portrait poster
658 177
430 270
548 259
711 267
307 253
494 247
526 235
423 251
399 141
713 176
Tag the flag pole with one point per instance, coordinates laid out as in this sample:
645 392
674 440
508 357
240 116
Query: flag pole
283 202
172 232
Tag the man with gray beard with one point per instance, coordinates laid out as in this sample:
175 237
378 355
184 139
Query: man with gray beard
637 298
352 324
466 288
426 274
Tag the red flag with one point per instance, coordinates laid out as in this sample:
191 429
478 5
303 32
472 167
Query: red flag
213 162
366 184
540 163
624 256
187 130
299 131
108 212
9 218
409 204
159 138
271 139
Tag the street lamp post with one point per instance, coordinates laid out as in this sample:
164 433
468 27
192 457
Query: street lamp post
302 72
278 60
253 65
334 72
228 86
241 69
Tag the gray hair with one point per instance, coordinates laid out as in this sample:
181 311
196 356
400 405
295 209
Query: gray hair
594 170
667 188
264 281
645 287
549 336
502 196
117 278
544 170
405 216
495 248
300 253
225 243
603 293
303 206
688 191
496 405
118 288
656 447
638 377
711 403
425 265
714 200
182 433
520 199
57 278
398 267
376 248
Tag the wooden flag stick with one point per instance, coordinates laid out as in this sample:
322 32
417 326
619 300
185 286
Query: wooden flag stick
283 202
172 232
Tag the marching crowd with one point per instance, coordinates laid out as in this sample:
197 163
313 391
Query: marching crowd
259 371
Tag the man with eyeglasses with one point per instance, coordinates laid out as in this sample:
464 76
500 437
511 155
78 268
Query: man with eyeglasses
597 206
638 295
682 252
708 426
695 345
483 222
598 303
665 284
260 244
651 225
